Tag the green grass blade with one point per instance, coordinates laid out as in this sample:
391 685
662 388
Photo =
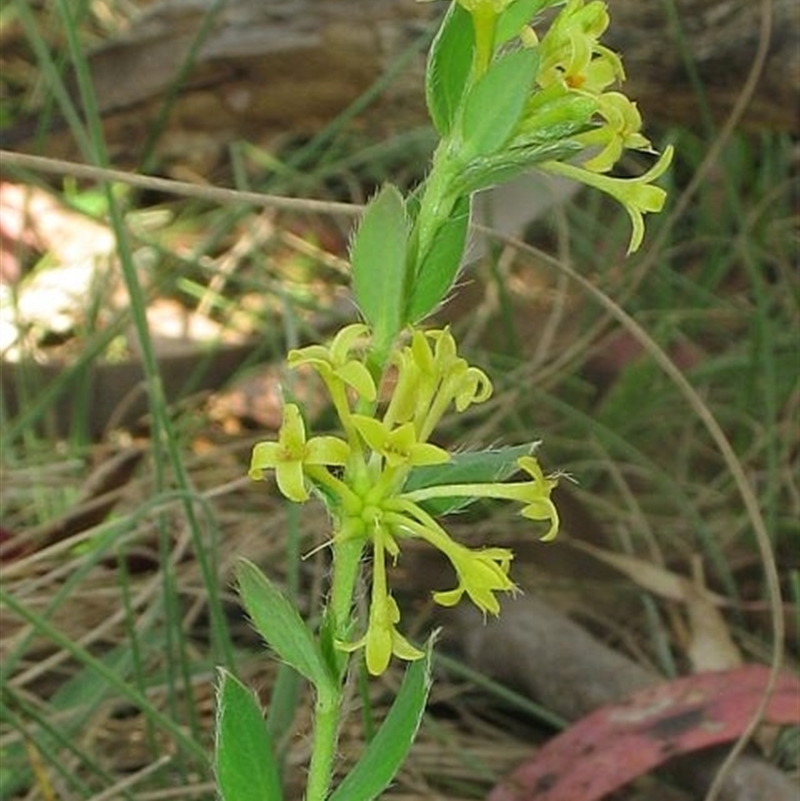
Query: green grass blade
123 687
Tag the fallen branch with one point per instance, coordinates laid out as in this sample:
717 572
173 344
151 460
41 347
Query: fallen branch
541 652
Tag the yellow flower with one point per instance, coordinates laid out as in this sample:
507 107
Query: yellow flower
539 506
382 638
637 195
406 395
334 363
398 446
481 574
469 385
568 48
292 452
430 379
622 129
535 494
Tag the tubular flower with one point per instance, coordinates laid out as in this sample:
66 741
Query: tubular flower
428 368
469 385
398 446
637 195
621 130
406 395
334 363
480 574
382 638
292 452
539 506
568 48
535 494
575 72
430 379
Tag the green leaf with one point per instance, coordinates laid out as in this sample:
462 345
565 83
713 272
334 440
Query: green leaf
378 257
439 268
245 762
283 702
518 14
556 120
495 103
471 467
449 66
388 749
483 173
280 624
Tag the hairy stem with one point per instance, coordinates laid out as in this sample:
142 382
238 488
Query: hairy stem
336 626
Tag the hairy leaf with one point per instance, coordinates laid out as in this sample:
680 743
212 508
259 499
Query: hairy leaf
495 103
519 13
378 257
439 268
388 749
245 762
279 623
449 65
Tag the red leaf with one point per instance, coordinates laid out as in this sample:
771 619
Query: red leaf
612 746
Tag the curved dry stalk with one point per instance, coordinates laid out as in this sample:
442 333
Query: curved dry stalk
732 462
211 193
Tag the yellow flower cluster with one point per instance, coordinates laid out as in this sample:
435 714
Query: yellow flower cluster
574 101
363 476
573 68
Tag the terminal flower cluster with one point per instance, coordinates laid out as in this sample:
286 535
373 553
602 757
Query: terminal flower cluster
575 121
362 477
575 67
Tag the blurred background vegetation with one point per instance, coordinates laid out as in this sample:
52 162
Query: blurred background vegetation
143 329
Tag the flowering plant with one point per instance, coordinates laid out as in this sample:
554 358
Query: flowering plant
503 100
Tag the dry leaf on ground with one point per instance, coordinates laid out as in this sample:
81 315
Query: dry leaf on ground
614 745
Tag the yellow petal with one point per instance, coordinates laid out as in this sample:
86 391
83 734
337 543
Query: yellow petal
292 435
265 457
373 431
449 597
326 450
356 375
403 649
424 453
379 649
290 481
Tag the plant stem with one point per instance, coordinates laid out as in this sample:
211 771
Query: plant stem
437 201
327 711
346 565
328 707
